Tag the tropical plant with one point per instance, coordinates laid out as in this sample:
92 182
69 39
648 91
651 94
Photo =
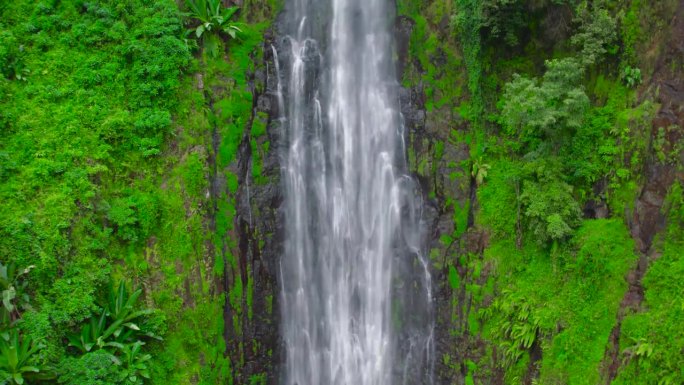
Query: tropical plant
213 17
125 364
133 363
14 296
479 171
18 360
117 323
517 327
640 348
93 335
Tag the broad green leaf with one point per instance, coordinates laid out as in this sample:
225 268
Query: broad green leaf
132 326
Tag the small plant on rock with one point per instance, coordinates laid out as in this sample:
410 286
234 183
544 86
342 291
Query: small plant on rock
631 76
213 19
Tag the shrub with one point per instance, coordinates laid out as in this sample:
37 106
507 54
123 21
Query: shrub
631 76
12 57
544 113
550 210
596 36
96 368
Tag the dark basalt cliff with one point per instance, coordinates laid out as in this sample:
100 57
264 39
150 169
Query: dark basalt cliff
258 229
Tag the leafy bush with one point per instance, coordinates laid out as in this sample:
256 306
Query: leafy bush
102 367
96 368
134 216
631 76
510 20
542 114
504 19
12 57
117 333
596 36
550 210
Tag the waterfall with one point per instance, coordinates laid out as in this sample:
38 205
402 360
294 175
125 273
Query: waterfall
356 299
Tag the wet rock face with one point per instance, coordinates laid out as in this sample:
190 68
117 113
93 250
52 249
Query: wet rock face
403 26
648 218
432 159
258 232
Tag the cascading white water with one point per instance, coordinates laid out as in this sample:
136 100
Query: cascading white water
355 295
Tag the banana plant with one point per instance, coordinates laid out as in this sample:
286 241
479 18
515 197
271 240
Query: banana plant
18 360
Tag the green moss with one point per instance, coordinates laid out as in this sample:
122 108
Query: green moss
498 198
454 279
258 379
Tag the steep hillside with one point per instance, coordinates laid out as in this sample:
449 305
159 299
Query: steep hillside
548 138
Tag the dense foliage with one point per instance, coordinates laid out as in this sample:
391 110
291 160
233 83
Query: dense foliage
108 265
558 137
569 141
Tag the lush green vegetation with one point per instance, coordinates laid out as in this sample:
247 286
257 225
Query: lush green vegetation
109 264
558 136
651 340
561 276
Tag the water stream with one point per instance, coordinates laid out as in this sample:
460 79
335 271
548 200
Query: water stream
356 299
